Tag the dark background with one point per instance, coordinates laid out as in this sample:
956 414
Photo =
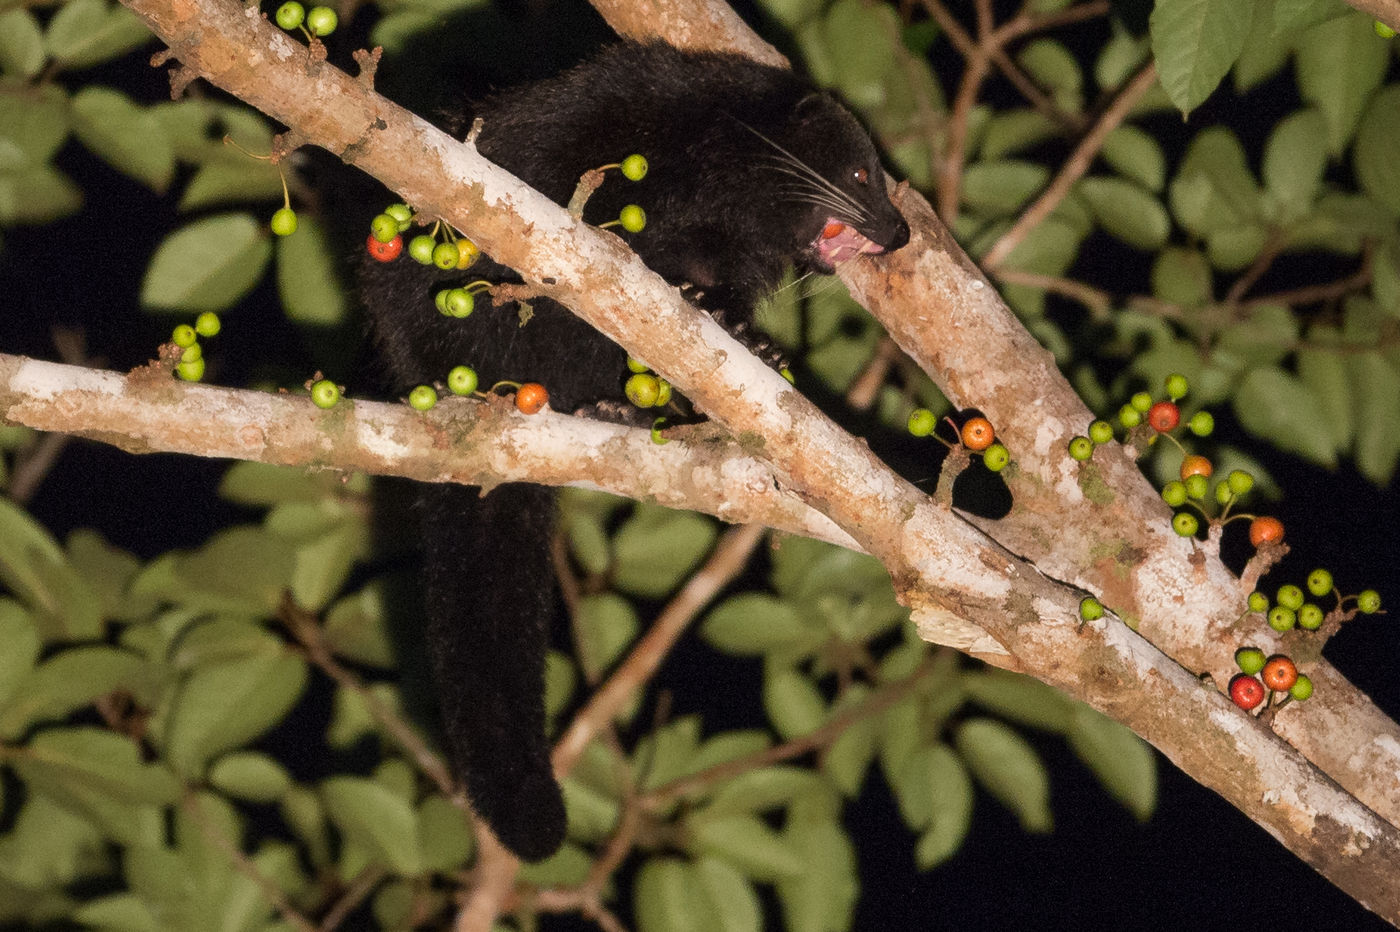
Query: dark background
1196 863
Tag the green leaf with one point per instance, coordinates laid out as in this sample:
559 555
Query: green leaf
667 898
250 775
1195 42
728 746
119 912
76 762
1294 160
1276 406
36 196
381 821
306 275
263 484
48 846
1214 189
241 569
86 32
588 542
1135 154
1264 55
1267 335
1127 211
950 807
20 636
560 680
567 867
847 759
222 706
606 625
793 704
667 752
1008 768
1327 374
747 843
38 573
1377 390
861 41
1002 187
733 903
21 43
1377 141
1120 759
106 569
1054 68
1021 699
1292 15
822 898
357 627
753 623
207 265
593 814
69 681
657 548
33 124
1014 131
127 137
1182 276
1339 64
762 789
324 562
1232 249
444 834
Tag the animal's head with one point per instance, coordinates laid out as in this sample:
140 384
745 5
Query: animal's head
826 172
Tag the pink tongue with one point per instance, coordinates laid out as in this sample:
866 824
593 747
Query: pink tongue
839 242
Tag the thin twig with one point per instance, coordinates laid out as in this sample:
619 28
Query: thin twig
1074 168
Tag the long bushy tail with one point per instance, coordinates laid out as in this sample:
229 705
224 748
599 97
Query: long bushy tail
489 596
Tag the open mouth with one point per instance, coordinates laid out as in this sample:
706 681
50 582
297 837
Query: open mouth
839 242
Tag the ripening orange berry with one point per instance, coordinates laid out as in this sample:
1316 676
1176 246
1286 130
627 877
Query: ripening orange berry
1279 673
1194 465
1265 530
531 397
977 434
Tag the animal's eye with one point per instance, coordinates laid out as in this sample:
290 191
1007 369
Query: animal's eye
861 176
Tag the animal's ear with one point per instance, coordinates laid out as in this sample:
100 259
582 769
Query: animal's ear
814 106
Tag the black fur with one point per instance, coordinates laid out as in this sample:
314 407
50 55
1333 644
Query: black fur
732 200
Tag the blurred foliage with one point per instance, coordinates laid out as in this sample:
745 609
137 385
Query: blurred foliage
147 708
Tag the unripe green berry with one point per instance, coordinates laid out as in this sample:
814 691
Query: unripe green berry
657 426
190 371
1289 596
325 393
787 375
1282 618
1258 601
1240 481
1081 448
1319 582
208 324
284 222
1090 608
421 249
922 422
383 227
1250 660
321 21
636 365
1174 493
462 380
440 300
634 167
1382 30
422 398
1223 495
183 335
1197 486
1129 416
445 256
642 389
1202 424
1369 602
1302 687
1310 617
1141 402
290 15
632 218
663 397
1185 524
996 457
192 353
460 302
1177 386
1101 432
402 215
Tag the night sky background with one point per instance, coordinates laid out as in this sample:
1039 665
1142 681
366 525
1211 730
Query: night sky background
1197 864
